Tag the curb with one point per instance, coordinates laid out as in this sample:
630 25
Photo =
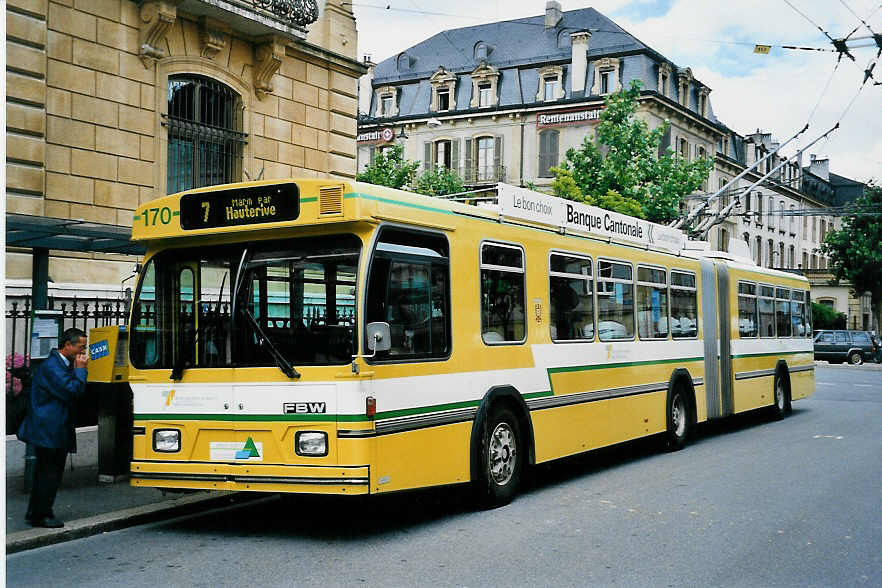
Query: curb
38 537
869 367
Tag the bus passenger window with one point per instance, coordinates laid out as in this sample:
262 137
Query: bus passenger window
747 326
684 306
502 294
797 313
408 288
571 298
766 307
652 303
782 312
615 301
807 314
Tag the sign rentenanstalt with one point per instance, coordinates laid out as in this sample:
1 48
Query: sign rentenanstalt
560 118
386 135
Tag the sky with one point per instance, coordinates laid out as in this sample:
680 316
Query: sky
777 93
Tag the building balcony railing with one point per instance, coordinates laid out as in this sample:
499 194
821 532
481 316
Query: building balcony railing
489 174
472 175
259 17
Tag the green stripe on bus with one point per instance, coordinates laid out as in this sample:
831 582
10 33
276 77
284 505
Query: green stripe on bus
176 213
325 417
399 203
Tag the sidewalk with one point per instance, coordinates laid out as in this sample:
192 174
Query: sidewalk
86 506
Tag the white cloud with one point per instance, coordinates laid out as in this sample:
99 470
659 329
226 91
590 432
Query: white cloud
775 92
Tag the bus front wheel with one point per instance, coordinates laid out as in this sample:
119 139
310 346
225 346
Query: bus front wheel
501 459
781 406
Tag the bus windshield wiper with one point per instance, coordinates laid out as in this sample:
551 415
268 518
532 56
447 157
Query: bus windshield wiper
265 342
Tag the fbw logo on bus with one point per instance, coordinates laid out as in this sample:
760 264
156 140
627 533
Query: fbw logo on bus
305 407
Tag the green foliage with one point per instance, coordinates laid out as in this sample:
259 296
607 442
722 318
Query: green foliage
624 159
564 185
855 250
438 182
824 317
389 168
614 201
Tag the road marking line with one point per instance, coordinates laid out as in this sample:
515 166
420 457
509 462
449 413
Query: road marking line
828 437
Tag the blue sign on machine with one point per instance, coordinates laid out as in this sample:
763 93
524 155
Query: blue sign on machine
99 349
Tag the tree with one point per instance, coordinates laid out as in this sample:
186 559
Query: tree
389 168
624 159
855 250
438 181
824 317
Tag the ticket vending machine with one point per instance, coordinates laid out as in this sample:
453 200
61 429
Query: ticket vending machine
108 377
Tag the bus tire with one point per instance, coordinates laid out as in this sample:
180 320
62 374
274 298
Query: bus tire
501 459
781 394
679 417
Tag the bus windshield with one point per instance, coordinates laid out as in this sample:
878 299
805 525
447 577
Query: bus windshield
295 299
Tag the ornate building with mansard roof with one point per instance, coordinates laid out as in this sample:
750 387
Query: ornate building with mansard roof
502 102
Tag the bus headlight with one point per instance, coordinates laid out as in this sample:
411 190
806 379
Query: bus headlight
311 443
166 440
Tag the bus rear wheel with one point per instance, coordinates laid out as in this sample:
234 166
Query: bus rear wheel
501 460
679 419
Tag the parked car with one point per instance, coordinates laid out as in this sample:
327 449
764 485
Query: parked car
839 346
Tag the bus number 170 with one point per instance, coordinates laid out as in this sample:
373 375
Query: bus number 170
153 216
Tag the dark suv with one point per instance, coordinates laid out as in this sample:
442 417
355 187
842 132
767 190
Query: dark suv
839 346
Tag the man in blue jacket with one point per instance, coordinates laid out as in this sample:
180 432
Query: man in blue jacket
49 426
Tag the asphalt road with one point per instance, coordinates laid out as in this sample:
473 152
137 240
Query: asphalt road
748 503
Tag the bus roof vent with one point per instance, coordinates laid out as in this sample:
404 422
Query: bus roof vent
330 200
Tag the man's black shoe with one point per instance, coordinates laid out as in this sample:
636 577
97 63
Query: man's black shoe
48 522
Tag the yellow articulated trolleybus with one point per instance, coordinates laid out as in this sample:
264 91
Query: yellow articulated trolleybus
320 336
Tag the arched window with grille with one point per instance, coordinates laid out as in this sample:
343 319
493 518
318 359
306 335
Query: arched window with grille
205 138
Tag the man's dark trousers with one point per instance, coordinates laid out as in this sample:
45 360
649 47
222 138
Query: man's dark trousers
47 478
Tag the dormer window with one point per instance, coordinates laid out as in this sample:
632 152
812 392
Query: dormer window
606 76
664 78
443 91
387 101
485 80
550 84
486 95
683 88
481 51
703 94
443 100
605 81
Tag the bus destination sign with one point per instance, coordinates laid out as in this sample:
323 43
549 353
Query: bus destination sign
244 206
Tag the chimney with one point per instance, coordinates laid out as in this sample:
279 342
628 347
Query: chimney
552 14
579 63
821 168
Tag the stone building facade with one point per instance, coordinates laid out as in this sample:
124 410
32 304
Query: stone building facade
111 103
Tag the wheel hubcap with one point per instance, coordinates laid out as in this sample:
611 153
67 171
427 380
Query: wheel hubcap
779 395
678 415
503 454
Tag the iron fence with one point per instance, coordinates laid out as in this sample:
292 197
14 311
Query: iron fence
75 312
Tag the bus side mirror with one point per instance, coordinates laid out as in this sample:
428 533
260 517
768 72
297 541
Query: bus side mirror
379 337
